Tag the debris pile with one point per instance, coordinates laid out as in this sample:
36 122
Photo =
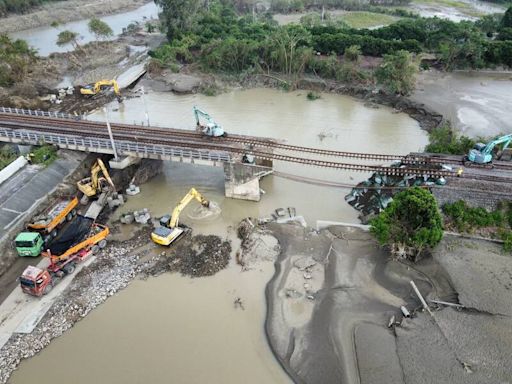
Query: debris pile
373 195
142 216
203 255
283 216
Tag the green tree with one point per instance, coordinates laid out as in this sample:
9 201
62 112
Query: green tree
99 28
410 224
68 37
397 72
352 53
287 50
179 16
506 22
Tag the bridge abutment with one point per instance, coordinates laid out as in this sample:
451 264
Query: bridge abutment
242 181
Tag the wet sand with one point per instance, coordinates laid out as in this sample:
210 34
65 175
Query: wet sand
340 334
476 103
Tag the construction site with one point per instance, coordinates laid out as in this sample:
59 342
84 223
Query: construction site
169 235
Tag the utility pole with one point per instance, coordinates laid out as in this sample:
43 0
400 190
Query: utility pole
110 134
145 105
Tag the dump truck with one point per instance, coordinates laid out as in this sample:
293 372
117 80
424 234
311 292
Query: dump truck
44 227
78 241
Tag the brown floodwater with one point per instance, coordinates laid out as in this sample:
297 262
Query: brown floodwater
182 330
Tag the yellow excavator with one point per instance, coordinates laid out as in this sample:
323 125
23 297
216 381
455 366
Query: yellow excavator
95 88
169 230
93 185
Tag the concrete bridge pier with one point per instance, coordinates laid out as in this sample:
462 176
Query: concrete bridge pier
242 181
123 162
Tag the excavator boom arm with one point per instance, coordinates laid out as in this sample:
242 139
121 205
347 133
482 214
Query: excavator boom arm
504 139
192 194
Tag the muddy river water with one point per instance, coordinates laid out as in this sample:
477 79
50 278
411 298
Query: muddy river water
182 330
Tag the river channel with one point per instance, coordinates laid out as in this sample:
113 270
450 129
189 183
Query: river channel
44 39
182 330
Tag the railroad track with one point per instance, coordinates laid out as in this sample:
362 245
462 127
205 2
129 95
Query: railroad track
423 165
165 140
251 142
188 135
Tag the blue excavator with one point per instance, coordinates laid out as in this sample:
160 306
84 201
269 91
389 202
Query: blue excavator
211 128
483 153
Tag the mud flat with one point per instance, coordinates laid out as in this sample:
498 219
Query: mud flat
476 103
334 293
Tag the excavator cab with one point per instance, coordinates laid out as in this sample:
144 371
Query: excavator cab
211 128
169 231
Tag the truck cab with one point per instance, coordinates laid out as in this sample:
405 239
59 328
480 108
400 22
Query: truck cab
35 281
29 244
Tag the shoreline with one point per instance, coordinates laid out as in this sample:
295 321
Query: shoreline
64 12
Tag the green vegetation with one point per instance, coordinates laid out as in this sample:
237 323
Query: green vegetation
68 37
220 38
99 28
16 58
464 218
312 96
44 154
410 224
444 140
7 156
397 73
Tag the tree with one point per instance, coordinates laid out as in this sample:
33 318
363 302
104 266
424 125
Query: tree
352 53
68 37
506 22
287 49
179 16
99 28
410 224
397 72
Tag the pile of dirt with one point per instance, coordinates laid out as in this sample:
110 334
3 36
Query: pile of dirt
203 255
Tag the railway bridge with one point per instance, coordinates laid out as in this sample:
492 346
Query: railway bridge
130 142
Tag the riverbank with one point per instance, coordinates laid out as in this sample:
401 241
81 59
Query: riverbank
65 11
334 294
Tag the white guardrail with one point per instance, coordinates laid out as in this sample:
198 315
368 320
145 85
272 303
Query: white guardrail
12 168
87 144
31 112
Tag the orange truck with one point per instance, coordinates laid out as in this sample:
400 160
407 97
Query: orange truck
48 221
78 241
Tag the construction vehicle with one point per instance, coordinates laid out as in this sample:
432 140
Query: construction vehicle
483 153
211 128
96 88
169 231
75 244
94 185
44 227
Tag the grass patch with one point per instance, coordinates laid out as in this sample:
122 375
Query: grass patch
45 154
367 19
7 156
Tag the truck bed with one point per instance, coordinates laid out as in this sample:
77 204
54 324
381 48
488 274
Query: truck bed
54 215
73 234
